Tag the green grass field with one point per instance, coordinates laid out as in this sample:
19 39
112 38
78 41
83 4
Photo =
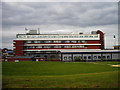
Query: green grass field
43 74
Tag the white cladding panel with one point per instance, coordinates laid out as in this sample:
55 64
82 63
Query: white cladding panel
115 56
57 44
59 37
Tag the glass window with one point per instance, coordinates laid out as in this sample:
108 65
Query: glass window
73 41
35 41
95 57
81 46
99 57
91 36
83 41
86 36
108 57
47 41
56 46
65 57
30 47
103 57
70 36
56 41
38 41
39 46
89 57
65 36
79 41
66 46
67 41
62 46
62 41
59 46
85 57
52 46
95 36
70 57
81 36
75 36
28 41
32 41
48 46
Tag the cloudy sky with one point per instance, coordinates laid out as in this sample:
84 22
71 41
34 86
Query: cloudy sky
59 17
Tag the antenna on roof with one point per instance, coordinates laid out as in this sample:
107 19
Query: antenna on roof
38 30
26 30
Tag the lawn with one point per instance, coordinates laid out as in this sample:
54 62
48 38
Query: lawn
43 74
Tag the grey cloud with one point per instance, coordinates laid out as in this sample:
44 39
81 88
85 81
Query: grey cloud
59 13
51 16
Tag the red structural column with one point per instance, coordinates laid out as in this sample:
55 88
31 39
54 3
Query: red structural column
101 38
18 47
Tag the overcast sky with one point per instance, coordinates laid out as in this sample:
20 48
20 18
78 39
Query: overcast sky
56 17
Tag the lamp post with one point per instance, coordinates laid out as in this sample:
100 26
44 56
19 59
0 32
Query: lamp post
114 40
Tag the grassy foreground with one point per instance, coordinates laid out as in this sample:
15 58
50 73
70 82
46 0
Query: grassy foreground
30 74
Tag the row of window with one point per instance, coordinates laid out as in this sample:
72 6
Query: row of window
57 36
56 46
85 57
56 41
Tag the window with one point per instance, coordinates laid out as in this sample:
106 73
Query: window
32 42
67 41
83 41
79 41
85 57
103 57
65 36
35 41
86 36
52 46
108 57
42 41
81 36
89 57
38 41
56 41
74 41
48 41
39 46
57 46
95 57
30 47
62 41
81 46
70 36
95 36
62 46
28 41
75 36
66 46
69 57
46 47
45 57
91 36
65 57
99 57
